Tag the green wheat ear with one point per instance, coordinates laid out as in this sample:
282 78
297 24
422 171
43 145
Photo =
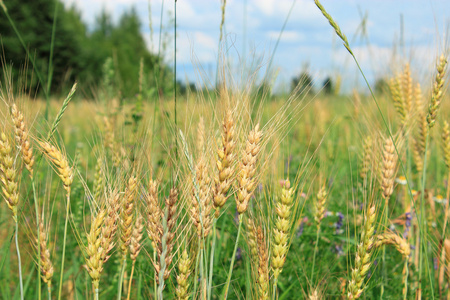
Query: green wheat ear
334 25
61 111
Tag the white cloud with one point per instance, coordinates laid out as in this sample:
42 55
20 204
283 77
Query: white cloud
290 36
307 36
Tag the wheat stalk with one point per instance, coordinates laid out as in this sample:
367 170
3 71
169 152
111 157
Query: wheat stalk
320 205
65 173
225 161
366 159
110 225
388 169
135 246
363 255
166 238
281 229
94 261
184 271
154 214
23 141
390 238
46 266
252 235
63 169
99 183
246 177
397 92
438 91
8 175
263 265
126 223
201 200
126 217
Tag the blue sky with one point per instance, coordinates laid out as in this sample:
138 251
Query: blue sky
252 28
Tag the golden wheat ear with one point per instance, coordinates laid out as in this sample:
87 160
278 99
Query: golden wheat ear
47 269
184 271
8 175
363 259
282 228
110 226
60 162
126 216
21 131
225 162
94 251
263 264
247 172
390 238
201 200
438 90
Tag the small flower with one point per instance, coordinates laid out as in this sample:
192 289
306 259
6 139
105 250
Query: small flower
301 226
401 180
414 192
259 188
328 214
338 250
239 254
408 218
440 199
339 223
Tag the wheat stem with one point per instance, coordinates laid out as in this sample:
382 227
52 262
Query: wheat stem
227 284
211 259
36 208
162 257
405 289
122 272
64 242
19 261
155 285
423 237
131 280
197 259
315 252
274 290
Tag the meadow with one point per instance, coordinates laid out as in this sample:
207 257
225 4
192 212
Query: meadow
230 193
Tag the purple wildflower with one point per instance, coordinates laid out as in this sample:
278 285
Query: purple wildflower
408 218
340 222
239 253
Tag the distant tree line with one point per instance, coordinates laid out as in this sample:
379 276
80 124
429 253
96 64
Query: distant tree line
79 53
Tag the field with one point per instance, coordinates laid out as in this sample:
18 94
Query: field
228 193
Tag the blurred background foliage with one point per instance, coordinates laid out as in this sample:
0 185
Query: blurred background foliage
80 53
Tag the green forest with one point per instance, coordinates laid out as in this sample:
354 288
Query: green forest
65 49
